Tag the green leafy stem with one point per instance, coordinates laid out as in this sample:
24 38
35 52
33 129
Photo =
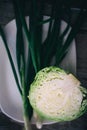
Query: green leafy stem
40 53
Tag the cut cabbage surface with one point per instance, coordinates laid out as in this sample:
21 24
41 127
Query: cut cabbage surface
57 95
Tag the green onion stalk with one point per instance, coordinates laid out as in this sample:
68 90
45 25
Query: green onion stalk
40 52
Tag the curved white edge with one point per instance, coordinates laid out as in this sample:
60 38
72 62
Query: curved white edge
11 29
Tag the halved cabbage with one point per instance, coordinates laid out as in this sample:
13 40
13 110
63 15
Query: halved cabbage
57 95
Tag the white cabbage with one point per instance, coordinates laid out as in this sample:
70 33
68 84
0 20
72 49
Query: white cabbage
57 95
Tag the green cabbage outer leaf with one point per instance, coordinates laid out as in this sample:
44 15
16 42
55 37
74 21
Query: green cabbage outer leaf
56 95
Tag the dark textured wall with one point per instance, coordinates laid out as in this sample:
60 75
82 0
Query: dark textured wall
7 14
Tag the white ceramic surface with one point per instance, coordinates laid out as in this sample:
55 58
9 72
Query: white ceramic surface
10 99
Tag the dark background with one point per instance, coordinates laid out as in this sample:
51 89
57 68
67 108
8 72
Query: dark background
6 15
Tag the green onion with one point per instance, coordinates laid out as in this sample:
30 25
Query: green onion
10 59
40 53
75 29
